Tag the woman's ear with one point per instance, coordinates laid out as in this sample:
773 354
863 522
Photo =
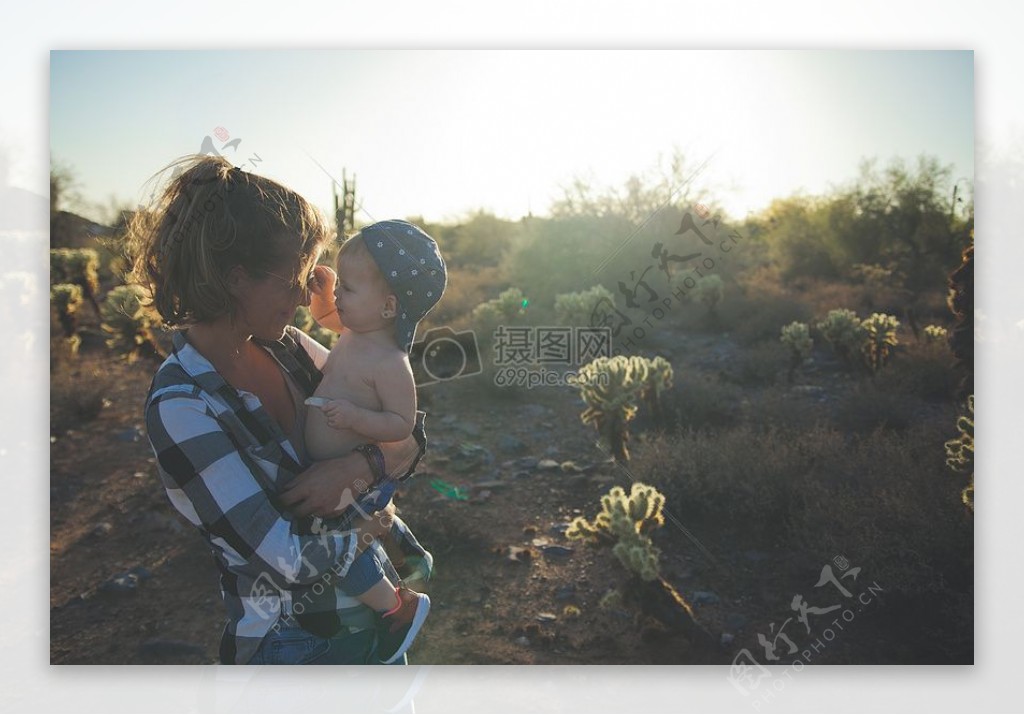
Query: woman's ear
235 280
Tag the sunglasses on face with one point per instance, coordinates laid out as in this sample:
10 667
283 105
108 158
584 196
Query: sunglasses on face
308 284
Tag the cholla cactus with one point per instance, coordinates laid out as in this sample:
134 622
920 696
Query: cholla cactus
66 299
709 291
626 519
304 321
79 266
880 331
960 452
797 336
659 379
843 330
130 325
576 308
935 333
506 308
611 388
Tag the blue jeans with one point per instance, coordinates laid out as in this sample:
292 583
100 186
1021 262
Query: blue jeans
291 645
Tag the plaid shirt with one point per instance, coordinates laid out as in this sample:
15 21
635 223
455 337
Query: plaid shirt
223 460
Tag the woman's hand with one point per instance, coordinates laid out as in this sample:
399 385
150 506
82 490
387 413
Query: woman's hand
327 488
379 523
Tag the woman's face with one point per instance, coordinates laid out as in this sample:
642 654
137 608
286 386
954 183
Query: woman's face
267 305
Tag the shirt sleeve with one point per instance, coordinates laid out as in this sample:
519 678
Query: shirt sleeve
210 482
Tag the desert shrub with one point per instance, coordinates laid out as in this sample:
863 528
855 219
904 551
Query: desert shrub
697 402
755 318
921 370
875 500
870 406
886 511
758 364
467 288
577 308
709 291
77 395
783 407
745 477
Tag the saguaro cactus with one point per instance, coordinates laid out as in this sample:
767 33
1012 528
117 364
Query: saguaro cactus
797 336
880 339
611 388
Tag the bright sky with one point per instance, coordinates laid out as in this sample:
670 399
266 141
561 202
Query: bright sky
440 133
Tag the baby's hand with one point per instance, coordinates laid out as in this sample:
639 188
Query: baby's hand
340 413
321 299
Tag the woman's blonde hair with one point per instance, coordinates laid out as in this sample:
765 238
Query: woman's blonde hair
211 217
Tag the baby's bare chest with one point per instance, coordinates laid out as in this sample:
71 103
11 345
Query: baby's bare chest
349 375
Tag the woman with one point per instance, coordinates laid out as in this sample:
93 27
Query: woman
227 257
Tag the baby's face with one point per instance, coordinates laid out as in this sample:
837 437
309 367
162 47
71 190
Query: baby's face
361 293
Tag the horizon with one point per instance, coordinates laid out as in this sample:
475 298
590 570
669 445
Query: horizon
768 124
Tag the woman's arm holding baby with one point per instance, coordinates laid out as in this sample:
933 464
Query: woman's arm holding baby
396 388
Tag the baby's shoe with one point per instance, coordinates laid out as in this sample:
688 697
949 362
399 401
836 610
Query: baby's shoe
399 628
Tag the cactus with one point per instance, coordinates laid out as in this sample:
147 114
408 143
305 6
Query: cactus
626 519
79 266
797 336
129 324
304 321
659 380
844 331
506 308
576 308
960 452
611 388
709 291
880 339
66 299
935 334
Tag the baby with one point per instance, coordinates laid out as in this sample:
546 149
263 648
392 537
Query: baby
389 276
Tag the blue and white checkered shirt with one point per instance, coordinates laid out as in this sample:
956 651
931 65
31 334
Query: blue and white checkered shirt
223 460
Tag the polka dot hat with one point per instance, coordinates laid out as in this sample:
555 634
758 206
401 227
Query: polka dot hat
413 268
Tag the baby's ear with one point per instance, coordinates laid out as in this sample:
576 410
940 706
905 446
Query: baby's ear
391 304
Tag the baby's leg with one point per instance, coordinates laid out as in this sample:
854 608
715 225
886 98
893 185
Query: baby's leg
418 563
367 582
